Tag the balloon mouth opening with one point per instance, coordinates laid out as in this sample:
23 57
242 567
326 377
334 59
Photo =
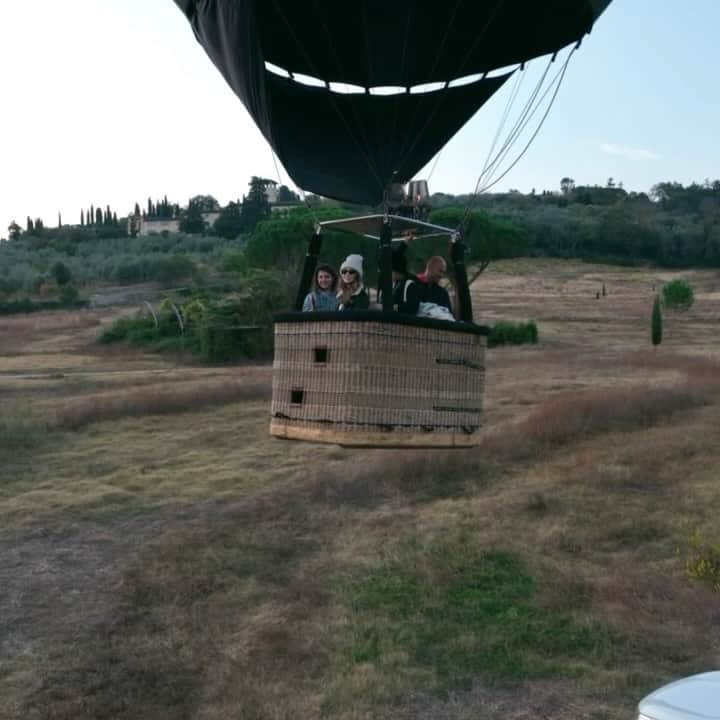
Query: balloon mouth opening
342 88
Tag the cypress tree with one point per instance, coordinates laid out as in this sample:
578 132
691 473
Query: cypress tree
656 322
92 215
98 216
82 217
114 219
137 210
29 227
59 220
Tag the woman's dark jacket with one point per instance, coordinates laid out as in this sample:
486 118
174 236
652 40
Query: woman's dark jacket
359 301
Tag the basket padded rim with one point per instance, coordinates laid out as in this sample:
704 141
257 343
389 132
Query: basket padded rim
369 439
390 318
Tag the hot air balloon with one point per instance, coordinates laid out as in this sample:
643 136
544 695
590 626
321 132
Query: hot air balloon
354 99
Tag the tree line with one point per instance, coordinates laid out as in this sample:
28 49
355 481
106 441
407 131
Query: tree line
235 218
673 226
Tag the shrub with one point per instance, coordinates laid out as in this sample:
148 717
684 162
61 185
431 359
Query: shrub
508 333
241 324
703 562
68 295
222 329
168 270
26 305
61 273
138 330
128 271
116 332
678 295
233 261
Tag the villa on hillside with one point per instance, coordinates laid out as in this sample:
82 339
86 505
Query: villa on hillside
139 225
142 225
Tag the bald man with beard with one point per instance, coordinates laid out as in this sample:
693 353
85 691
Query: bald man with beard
435 271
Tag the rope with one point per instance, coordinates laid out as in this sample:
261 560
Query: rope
555 82
432 170
511 101
518 127
526 115
537 130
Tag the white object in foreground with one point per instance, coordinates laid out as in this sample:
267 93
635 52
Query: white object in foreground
693 698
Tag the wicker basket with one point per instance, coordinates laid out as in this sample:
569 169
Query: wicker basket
369 379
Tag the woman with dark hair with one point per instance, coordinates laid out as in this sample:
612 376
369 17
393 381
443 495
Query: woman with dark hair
321 297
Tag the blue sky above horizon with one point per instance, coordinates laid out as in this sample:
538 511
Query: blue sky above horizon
109 102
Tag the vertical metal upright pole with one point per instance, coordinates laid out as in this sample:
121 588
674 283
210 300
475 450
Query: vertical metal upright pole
385 265
457 255
308 268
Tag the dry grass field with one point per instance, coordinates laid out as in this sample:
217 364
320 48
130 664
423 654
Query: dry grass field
162 557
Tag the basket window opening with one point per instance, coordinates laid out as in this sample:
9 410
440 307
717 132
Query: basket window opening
321 355
296 396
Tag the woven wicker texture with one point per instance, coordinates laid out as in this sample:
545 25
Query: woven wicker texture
377 376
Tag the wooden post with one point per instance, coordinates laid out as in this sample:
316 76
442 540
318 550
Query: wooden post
308 268
457 255
385 266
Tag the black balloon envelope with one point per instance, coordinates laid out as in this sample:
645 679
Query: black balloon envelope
354 96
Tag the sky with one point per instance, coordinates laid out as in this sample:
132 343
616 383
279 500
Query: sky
113 101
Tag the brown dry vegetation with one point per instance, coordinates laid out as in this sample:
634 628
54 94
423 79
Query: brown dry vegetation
168 559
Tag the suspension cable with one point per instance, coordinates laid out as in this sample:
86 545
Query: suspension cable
555 83
537 130
484 181
506 114
518 127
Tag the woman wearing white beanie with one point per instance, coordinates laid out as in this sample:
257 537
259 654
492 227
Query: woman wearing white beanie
351 293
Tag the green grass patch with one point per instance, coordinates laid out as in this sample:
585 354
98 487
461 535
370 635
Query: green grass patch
456 612
509 333
20 428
